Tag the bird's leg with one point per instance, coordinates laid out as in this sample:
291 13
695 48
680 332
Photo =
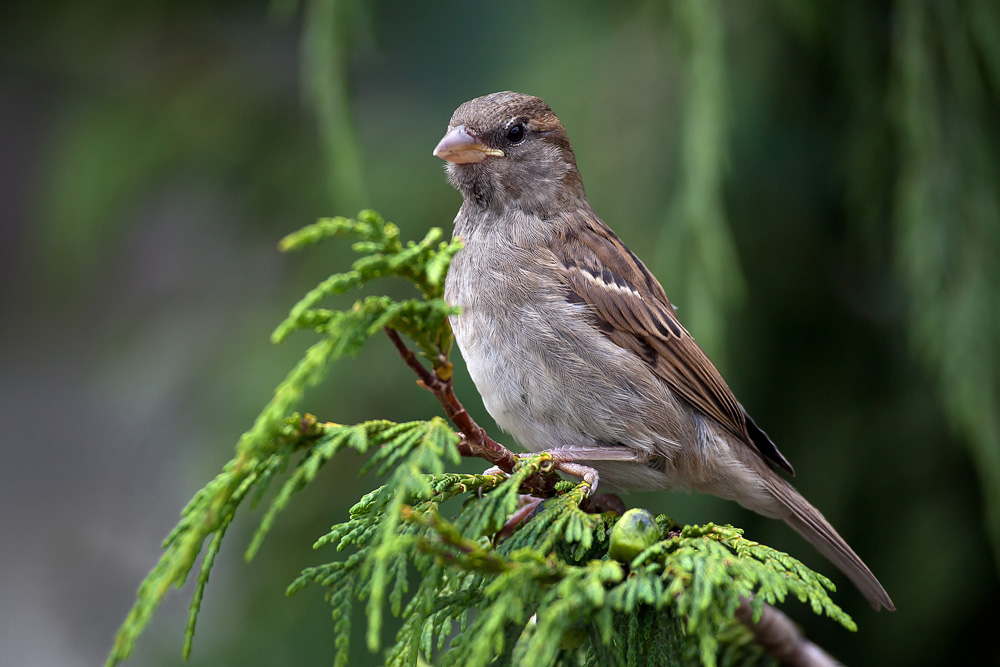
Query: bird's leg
566 459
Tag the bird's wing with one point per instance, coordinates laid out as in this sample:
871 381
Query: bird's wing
632 310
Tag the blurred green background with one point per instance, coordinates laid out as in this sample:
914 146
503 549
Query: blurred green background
815 184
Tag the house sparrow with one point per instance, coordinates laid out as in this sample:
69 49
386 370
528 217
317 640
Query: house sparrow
573 344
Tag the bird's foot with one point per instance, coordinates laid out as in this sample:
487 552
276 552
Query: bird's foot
589 475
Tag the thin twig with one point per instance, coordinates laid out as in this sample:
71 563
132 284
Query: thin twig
484 560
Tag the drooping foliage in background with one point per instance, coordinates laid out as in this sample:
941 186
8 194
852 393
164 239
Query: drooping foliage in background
936 179
946 100
696 249
561 586
330 33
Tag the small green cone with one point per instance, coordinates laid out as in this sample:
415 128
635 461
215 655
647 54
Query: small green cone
634 532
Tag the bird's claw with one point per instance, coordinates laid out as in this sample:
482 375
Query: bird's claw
589 475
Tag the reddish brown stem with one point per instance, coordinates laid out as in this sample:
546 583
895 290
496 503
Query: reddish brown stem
475 442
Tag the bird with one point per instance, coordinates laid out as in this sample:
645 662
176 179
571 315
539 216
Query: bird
573 345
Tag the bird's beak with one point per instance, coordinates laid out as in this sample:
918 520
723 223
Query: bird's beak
462 146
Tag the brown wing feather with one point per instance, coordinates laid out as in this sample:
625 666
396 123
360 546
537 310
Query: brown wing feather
636 314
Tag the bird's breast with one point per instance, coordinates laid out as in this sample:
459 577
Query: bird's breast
497 291
545 373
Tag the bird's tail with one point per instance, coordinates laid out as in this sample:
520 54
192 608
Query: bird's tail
810 524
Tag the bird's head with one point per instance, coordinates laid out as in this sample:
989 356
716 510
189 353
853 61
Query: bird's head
509 150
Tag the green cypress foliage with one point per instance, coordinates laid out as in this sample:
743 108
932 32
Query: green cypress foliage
541 591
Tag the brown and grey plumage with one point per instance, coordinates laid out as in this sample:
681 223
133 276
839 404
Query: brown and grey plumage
574 345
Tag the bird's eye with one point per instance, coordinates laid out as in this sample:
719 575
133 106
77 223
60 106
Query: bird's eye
515 134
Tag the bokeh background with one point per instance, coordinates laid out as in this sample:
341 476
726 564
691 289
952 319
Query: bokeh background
815 184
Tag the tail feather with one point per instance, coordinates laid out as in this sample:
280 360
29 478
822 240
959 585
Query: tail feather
810 524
